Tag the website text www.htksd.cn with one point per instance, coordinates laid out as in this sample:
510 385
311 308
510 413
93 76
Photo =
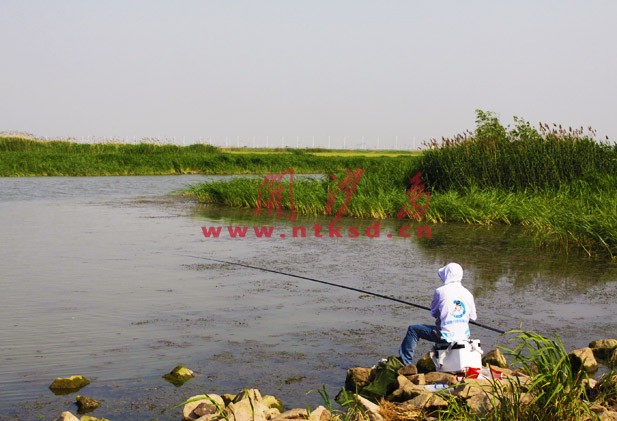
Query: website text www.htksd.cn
315 231
277 188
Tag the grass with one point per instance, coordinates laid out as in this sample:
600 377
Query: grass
24 157
555 389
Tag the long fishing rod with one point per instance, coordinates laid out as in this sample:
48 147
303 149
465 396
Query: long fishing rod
386 297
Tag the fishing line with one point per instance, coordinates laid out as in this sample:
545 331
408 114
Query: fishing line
374 294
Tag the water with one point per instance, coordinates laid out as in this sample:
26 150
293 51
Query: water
96 279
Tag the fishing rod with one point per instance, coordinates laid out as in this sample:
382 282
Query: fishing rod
374 294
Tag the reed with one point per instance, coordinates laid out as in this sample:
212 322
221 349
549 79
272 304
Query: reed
517 159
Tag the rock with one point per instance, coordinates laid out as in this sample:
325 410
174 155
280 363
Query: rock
603 348
479 404
228 398
425 364
85 404
272 402
495 357
612 361
371 409
179 375
437 377
583 359
89 418
248 409
66 385
357 378
292 414
406 390
249 394
408 370
67 416
320 414
428 400
472 387
417 379
211 399
204 409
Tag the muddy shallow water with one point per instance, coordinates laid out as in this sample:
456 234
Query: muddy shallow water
103 277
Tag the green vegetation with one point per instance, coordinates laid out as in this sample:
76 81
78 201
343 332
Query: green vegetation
557 183
24 157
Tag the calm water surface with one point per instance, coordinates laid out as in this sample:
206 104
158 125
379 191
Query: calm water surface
97 278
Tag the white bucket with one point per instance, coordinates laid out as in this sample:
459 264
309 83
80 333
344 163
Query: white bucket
457 356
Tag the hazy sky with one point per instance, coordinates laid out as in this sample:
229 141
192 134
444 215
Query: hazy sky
193 70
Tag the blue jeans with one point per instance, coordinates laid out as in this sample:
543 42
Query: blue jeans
414 332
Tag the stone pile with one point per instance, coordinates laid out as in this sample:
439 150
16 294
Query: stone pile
417 391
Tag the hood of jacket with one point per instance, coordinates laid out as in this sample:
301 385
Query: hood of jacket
450 273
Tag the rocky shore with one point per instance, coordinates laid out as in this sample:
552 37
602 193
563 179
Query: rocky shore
390 391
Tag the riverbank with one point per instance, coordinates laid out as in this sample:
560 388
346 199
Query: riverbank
536 379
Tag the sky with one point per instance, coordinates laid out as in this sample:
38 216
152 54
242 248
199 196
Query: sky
318 73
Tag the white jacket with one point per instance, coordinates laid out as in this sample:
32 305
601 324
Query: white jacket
453 305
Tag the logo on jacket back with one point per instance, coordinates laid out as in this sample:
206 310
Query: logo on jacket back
459 309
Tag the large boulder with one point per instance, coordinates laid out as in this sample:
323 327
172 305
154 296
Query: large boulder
603 348
583 359
66 385
495 357
89 418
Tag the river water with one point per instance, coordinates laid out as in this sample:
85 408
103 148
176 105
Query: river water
104 277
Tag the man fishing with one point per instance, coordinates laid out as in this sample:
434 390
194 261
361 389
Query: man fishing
453 307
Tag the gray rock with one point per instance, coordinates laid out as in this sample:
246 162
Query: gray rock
583 359
495 357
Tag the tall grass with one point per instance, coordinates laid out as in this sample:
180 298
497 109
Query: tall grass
517 159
